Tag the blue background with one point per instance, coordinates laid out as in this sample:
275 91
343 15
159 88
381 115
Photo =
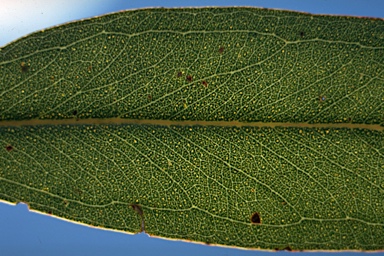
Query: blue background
27 233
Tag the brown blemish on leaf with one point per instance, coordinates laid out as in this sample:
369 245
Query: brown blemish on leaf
139 211
205 84
221 50
255 218
179 74
287 248
189 78
74 112
149 96
302 34
24 67
9 148
89 68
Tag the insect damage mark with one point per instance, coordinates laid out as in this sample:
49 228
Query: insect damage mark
205 84
255 218
137 208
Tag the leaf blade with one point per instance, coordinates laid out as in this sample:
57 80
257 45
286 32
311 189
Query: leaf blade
201 183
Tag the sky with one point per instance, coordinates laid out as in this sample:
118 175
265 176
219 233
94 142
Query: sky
28 233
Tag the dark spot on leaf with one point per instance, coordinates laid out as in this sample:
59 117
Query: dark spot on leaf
9 148
221 50
137 209
49 212
255 218
205 84
302 34
74 112
179 74
288 249
189 78
24 67
89 68
149 96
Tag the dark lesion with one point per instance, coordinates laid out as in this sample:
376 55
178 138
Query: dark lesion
9 148
24 67
255 218
137 208
287 248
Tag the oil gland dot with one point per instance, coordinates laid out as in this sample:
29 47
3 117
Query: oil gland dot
255 218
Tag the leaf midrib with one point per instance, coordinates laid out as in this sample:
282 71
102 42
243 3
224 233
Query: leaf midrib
119 121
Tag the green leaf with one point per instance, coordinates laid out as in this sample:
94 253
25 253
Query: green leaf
234 126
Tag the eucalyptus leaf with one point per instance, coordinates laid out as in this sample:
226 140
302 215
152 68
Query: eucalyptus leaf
241 127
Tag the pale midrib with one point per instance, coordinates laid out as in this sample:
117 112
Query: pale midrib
117 121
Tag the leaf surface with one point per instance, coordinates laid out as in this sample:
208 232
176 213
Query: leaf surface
242 127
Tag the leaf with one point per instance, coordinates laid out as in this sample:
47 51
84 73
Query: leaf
242 127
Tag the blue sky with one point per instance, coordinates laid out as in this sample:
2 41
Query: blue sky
27 233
